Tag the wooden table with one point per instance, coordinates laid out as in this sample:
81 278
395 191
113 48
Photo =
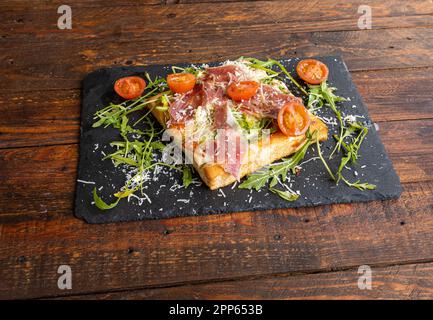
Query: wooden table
283 254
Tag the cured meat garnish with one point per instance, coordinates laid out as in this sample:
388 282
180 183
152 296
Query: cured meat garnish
223 74
212 94
184 105
267 102
230 144
210 90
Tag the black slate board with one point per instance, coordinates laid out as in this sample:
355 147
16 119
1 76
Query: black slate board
314 184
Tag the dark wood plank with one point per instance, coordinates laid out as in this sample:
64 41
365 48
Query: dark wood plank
52 117
144 254
39 118
38 231
396 94
407 282
90 21
64 57
62 67
24 6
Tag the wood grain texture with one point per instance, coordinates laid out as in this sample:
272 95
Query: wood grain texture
97 40
92 20
407 282
52 117
60 67
210 248
263 254
38 232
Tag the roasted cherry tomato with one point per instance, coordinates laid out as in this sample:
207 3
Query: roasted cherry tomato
242 90
129 87
312 71
293 119
181 82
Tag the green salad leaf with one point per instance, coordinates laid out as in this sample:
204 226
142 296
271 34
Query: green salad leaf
101 204
286 195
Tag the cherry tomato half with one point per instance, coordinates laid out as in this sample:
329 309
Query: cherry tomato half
293 119
181 82
242 90
129 87
312 71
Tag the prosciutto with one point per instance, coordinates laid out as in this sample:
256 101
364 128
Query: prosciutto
183 107
229 146
267 102
210 90
223 74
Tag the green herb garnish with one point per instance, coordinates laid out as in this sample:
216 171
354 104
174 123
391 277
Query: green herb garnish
276 172
138 153
266 66
351 155
286 195
101 204
320 95
186 176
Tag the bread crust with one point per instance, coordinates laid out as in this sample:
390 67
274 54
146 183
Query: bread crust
280 146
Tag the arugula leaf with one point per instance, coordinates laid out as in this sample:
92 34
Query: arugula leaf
266 66
322 94
125 193
186 176
276 171
351 156
323 160
284 70
286 195
101 204
361 186
157 145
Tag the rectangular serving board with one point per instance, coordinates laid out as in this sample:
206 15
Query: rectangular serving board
168 200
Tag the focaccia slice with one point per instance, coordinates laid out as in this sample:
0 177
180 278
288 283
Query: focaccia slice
280 146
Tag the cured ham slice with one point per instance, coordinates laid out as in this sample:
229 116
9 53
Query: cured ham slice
184 105
230 145
267 102
224 74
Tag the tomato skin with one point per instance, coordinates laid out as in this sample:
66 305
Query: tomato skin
243 90
181 82
129 87
312 71
293 119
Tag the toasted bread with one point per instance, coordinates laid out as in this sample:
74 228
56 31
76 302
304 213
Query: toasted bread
280 146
